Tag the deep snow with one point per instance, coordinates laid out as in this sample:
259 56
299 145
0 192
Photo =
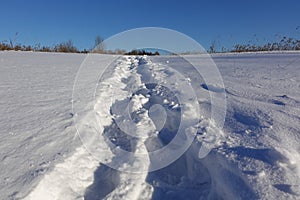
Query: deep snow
255 156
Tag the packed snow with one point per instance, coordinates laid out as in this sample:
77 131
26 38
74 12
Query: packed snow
52 138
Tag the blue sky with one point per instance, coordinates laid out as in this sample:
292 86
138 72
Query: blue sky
227 22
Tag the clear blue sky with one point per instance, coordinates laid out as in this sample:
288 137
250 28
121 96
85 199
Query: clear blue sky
49 22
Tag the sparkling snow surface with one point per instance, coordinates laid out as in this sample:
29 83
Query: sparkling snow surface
256 155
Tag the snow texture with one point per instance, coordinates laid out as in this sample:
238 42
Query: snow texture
255 156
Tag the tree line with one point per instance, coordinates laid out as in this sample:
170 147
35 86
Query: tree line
283 44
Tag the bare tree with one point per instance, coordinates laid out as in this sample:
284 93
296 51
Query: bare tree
11 41
99 46
213 48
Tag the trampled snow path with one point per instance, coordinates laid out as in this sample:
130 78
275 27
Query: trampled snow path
71 178
77 177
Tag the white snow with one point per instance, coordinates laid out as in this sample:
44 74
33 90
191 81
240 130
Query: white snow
255 156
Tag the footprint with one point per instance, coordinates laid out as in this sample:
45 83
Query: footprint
286 188
277 102
212 88
269 156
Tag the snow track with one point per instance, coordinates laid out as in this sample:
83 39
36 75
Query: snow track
81 176
71 178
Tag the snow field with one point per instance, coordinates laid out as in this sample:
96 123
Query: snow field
255 156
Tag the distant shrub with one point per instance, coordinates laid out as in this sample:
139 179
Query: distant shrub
5 47
27 48
84 51
212 48
142 52
284 44
119 51
66 47
17 47
45 49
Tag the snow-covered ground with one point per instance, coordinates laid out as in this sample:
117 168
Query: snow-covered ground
256 155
